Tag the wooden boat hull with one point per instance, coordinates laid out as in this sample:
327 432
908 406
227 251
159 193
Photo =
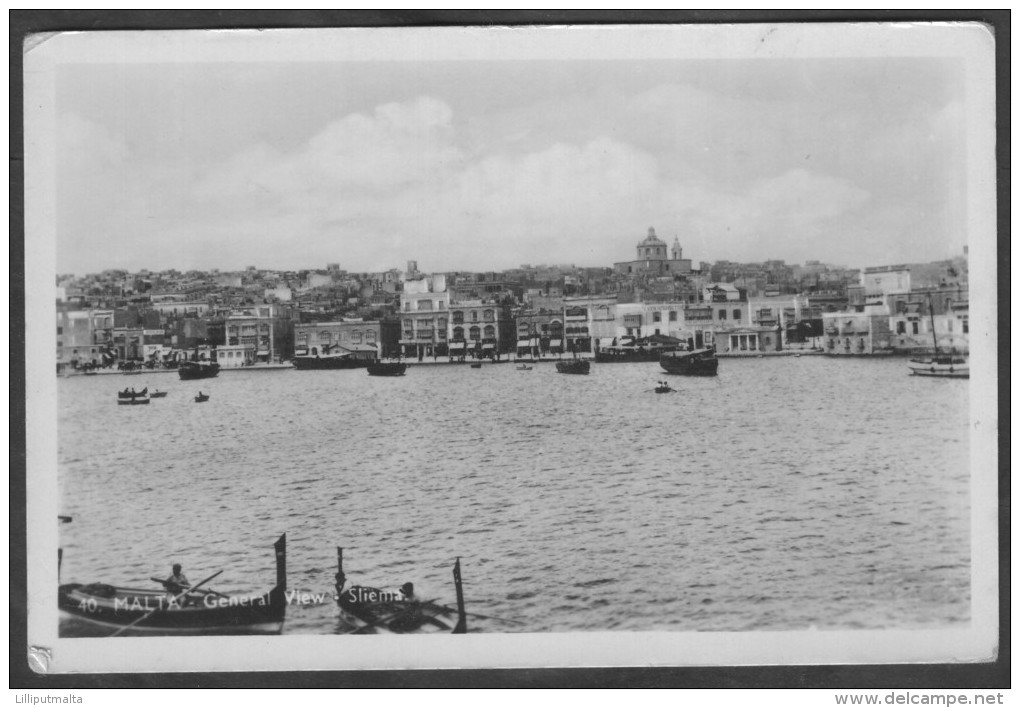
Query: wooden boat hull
191 370
101 610
387 369
158 394
698 363
137 401
628 355
577 366
320 363
410 616
81 611
945 371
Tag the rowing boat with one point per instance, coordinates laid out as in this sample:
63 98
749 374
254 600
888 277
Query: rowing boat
370 610
98 609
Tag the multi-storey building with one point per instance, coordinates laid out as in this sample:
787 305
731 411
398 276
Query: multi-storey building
84 337
484 327
537 328
424 317
265 329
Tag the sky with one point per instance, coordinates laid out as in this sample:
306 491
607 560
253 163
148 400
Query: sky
493 162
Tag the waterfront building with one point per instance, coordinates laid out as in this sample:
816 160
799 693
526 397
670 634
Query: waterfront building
424 316
362 338
653 259
83 337
641 320
482 327
587 321
856 333
537 328
266 327
749 340
911 315
235 356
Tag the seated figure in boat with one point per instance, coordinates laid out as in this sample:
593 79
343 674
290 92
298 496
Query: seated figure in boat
177 582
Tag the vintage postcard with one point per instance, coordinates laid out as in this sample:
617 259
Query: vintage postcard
508 347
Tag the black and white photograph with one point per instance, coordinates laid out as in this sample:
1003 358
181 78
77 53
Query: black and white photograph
594 345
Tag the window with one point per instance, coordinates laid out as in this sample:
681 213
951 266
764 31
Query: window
458 317
490 316
490 332
60 330
914 326
949 325
722 314
736 315
901 327
656 317
424 305
966 326
672 315
325 337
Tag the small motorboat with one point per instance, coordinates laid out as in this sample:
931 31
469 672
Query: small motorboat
101 610
575 366
201 397
158 394
387 369
376 611
697 362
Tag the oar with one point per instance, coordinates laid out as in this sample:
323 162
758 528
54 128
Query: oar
170 602
207 592
488 617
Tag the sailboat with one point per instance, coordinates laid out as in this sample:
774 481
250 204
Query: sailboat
941 364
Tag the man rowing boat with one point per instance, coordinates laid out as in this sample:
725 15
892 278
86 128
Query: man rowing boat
177 582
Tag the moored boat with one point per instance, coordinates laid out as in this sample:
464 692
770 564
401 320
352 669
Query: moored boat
98 609
387 369
699 362
329 360
191 370
371 610
573 366
939 364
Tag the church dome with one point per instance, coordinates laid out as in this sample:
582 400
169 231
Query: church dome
651 239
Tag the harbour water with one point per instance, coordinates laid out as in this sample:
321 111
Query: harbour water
783 494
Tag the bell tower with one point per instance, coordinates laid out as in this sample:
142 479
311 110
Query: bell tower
678 253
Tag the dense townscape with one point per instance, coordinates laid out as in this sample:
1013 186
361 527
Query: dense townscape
118 320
